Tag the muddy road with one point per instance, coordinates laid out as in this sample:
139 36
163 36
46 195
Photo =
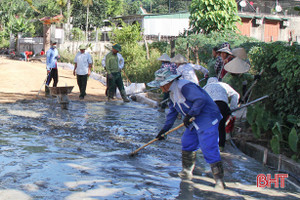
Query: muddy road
83 153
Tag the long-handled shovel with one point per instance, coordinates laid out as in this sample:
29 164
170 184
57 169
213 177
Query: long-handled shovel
155 139
44 83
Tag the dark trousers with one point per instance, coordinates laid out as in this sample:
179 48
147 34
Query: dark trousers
82 82
115 81
53 75
225 111
107 86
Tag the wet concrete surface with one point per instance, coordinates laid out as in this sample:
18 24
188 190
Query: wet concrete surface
83 153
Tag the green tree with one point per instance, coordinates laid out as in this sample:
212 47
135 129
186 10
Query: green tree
114 7
209 15
62 4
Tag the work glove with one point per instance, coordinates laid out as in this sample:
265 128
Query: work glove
159 135
187 121
110 76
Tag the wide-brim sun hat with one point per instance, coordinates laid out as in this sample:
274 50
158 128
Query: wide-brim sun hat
237 66
240 52
116 47
82 46
225 44
162 77
225 50
164 57
179 59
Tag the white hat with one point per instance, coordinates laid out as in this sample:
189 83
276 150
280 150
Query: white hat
240 52
237 66
164 57
212 80
225 50
179 59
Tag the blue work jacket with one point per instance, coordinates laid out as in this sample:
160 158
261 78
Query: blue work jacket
51 58
188 98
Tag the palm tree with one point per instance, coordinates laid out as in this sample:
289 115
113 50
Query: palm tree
87 4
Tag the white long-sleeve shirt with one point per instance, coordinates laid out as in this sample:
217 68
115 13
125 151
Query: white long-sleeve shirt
220 91
187 71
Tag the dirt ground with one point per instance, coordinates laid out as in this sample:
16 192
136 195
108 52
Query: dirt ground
21 80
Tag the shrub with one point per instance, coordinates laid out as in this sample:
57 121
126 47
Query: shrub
280 113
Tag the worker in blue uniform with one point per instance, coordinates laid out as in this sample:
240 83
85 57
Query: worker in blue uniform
192 101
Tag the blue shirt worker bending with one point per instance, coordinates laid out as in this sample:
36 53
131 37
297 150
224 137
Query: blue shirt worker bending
82 68
191 100
51 65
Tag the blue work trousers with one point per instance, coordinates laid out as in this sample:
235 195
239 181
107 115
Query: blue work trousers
207 140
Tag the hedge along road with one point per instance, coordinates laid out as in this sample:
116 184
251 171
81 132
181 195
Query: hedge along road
83 152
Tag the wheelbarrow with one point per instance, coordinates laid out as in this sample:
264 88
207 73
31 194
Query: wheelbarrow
62 95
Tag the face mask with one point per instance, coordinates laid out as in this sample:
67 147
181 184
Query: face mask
54 46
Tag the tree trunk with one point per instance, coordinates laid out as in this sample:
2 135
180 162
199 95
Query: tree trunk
87 22
147 49
46 36
68 20
172 47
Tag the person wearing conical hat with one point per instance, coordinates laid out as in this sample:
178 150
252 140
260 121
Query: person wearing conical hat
187 70
237 76
82 69
113 62
201 119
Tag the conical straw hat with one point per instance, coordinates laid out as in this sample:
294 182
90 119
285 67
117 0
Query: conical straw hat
240 52
179 59
237 66
164 57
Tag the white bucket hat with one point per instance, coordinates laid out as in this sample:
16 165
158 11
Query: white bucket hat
179 59
240 52
212 80
225 50
164 57
163 76
237 66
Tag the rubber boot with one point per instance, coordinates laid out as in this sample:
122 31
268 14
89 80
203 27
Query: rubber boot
218 174
124 97
188 165
47 91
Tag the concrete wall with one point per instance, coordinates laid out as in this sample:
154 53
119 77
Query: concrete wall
294 27
30 44
100 48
